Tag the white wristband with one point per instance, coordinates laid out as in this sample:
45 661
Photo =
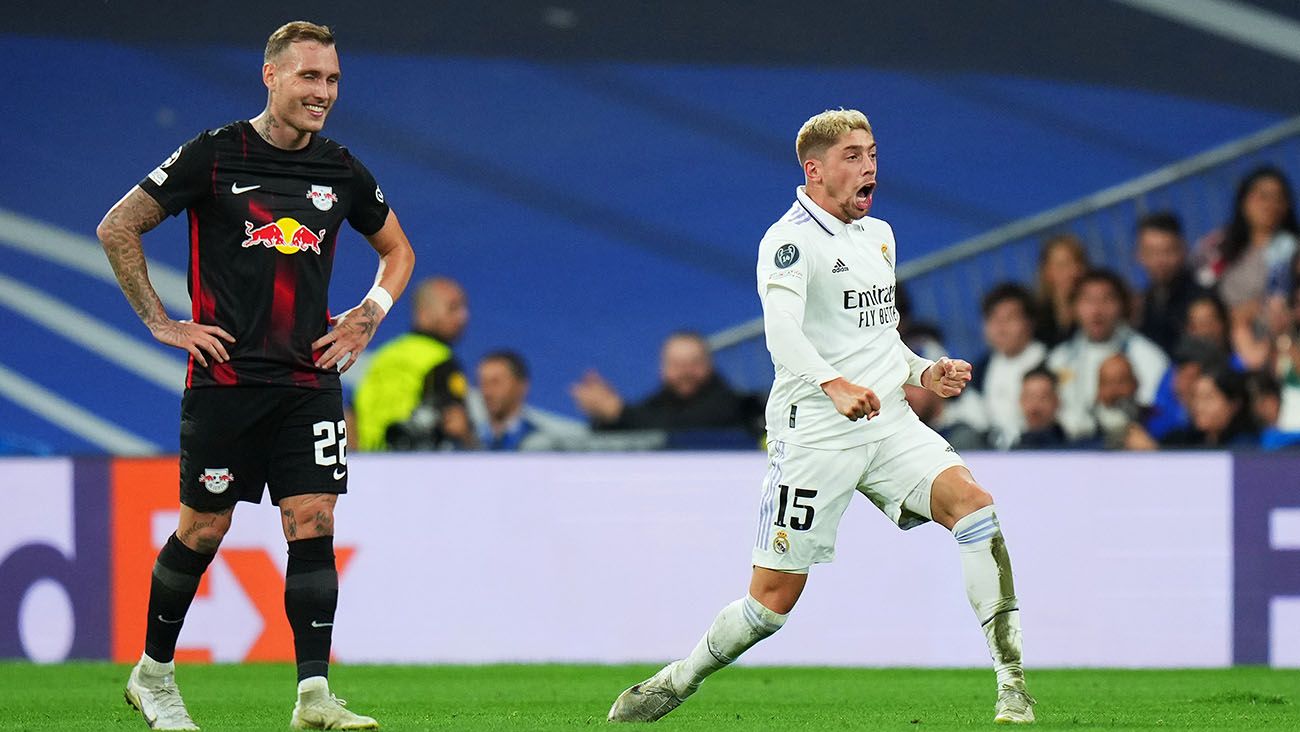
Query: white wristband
381 298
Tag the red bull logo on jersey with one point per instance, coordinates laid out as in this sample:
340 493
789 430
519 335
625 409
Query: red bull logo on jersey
286 236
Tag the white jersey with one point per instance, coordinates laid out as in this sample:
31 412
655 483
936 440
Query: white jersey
845 273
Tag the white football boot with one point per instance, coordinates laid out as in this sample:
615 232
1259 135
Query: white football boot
151 689
1015 705
317 708
649 700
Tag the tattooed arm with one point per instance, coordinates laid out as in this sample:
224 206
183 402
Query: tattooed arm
120 233
354 328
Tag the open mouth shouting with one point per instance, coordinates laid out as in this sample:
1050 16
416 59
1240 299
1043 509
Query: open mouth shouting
862 199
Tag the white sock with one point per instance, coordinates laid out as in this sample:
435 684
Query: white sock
991 590
314 684
150 667
736 629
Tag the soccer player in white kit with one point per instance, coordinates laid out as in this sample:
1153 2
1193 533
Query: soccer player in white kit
838 423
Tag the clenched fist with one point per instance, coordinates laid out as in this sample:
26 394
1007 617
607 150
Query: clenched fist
851 400
947 377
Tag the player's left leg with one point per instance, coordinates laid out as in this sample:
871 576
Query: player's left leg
307 474
311 595
960 505
803 498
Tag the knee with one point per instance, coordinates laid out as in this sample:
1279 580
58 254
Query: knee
309 518
205 533
973 497
777 591
958 497
777 600
969 498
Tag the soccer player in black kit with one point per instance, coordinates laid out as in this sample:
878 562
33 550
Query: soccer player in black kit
262 406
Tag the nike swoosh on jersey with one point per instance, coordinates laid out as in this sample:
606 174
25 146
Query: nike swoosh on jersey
338 475
236 189
318 624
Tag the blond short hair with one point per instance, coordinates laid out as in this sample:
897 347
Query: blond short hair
292 32
822 130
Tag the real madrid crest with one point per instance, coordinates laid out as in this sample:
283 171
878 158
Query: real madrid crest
781 544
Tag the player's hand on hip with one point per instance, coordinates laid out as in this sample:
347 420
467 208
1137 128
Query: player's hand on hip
851 400
949 376
201 341
352 332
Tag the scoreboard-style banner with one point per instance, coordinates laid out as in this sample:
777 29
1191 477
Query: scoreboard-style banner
1121 560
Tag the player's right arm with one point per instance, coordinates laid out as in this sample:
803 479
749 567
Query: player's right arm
120 234
783 281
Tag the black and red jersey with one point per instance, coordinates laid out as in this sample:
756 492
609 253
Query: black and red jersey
263 226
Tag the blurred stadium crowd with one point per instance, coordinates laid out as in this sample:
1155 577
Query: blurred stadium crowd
1200 354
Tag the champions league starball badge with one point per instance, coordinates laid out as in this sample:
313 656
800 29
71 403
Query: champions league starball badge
787 255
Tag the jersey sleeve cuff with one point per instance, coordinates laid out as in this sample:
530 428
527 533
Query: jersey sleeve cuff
919 367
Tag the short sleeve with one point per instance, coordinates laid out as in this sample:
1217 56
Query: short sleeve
183 178
781 263
369 211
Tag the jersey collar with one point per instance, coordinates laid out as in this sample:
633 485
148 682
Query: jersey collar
824 219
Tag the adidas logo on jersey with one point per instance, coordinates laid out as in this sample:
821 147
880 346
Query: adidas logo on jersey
840 266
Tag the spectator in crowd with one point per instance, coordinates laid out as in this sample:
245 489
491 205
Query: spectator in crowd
1265 393
1039 404
692 396
1208 320
995 388
1100 306
509 423
1061 263
1171 284
1287 367
1221 415
1192 358
1116 408
413 395
503 383
1252 255
1250 261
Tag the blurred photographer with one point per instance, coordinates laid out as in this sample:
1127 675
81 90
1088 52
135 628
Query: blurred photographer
413 395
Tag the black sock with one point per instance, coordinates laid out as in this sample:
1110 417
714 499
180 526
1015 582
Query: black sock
311 593
176 575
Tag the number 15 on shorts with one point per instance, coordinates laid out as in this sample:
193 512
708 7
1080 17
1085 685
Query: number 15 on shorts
801 514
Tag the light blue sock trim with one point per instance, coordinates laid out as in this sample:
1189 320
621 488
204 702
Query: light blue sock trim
976 526
760 618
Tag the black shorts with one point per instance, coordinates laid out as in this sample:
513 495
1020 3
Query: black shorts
236 440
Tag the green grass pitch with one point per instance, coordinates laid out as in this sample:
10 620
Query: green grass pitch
88 696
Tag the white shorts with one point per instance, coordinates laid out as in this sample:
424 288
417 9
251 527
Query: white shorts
807 489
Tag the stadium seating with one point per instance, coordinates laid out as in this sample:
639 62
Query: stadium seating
589 209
